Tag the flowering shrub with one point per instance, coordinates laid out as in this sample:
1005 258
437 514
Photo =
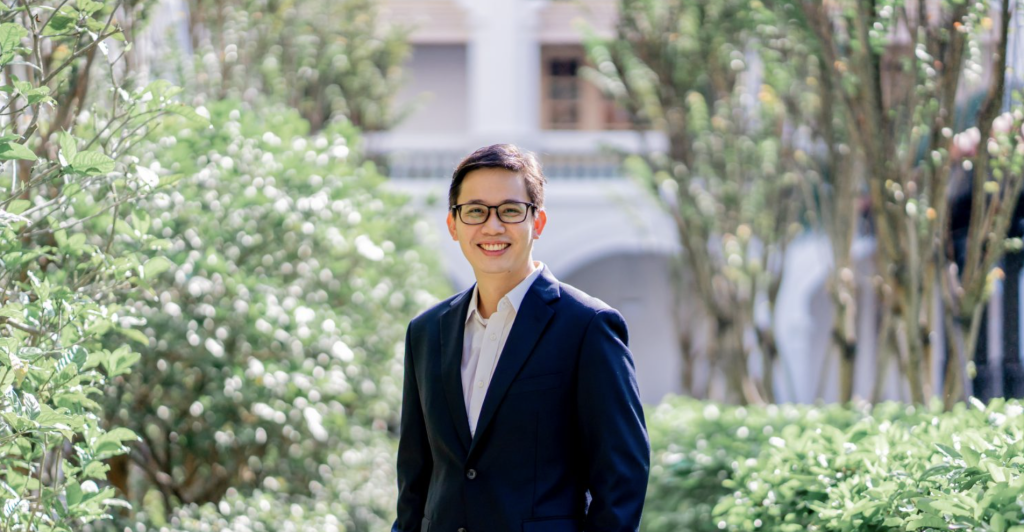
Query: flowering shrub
275 336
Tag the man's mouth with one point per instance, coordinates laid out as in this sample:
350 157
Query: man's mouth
495 247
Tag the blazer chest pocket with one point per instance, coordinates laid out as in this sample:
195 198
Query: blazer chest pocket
535 384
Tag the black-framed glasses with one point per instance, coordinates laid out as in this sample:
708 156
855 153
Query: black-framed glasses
510 212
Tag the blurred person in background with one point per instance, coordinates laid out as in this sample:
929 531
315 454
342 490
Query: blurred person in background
520 409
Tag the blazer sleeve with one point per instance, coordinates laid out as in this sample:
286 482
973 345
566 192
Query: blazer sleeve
611 422
415 461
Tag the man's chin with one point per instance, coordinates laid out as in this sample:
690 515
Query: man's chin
493 267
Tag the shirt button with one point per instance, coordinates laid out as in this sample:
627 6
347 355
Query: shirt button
479 384
471 474
494 336
462 530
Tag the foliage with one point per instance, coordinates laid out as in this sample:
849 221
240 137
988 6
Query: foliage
696 445
72 185
275 335
356 492
795 468
326 58
732 174
895 76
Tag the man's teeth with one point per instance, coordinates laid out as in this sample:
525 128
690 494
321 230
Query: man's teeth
494 247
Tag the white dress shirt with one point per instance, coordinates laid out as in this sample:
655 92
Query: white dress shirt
483 342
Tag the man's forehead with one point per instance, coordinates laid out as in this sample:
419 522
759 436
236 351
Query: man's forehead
506 200
493 185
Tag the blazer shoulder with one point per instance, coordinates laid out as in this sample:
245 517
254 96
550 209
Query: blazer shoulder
433 314
581 301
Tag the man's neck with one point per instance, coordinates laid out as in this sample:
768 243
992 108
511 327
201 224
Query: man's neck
491 287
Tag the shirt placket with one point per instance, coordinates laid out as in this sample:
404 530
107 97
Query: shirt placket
489 351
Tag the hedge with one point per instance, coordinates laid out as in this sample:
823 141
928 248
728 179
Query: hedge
791 468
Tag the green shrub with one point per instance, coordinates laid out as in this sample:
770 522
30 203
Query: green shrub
695 447
795 468
356 494
275 337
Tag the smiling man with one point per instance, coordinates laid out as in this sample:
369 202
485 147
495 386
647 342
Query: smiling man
520 409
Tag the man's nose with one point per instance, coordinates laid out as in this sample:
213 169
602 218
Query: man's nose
493 223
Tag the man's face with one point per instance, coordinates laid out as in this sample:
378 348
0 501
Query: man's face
495 247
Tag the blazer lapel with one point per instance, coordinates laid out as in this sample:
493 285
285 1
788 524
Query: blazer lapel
534 314
453 331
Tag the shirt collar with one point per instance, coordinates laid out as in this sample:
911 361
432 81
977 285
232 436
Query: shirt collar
514 297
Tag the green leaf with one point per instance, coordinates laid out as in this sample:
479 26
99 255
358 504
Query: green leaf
18 206
122 359
971 456
10 38
927 521
170 179
79 355
124 229
68 148
75 401
41 94
61 236
948 451
76 242
997 523
122 434
92 163
12 150
112 443
73 492
140 221
89 7
60 23
95 469
23 87
161 88
188 112
135 334
155 266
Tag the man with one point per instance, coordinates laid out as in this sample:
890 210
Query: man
520 409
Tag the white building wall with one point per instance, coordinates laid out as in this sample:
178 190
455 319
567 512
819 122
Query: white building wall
436 92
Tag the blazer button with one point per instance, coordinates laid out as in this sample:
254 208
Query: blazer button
471 474
462 530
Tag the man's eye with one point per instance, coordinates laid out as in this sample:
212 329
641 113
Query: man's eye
512 210
474 211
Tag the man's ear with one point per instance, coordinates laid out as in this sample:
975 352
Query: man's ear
540 219
451 225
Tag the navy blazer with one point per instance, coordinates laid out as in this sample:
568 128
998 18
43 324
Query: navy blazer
561 444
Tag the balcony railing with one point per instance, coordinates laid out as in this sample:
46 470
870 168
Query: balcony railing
440 164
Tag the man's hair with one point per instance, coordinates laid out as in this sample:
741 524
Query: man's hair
507 156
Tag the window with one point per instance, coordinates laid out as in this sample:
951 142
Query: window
570 102
564 93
